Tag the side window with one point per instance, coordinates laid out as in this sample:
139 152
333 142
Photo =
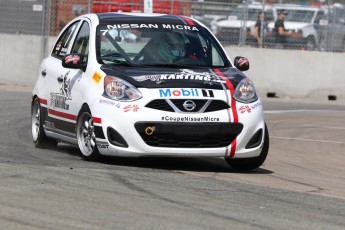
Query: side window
81 44
62 43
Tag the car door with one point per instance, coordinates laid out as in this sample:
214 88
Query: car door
76 77
60 119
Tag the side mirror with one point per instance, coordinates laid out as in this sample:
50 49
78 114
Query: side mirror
73 61
241 63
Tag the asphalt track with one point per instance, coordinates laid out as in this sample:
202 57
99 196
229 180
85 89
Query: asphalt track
300 186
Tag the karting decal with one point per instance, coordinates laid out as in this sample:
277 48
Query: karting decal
244 109
108 102
133 108
97 77
189 119
150 26
185 74
72 58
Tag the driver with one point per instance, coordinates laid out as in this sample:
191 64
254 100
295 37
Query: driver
171 47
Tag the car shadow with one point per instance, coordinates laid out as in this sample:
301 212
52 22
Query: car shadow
191 164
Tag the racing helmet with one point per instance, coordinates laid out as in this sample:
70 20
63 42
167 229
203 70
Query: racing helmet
172 47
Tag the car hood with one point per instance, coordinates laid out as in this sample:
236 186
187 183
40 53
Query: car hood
152 77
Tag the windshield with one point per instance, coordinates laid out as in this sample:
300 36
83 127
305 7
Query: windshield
300 16
158 45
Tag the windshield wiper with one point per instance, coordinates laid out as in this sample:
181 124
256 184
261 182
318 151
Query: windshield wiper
117 62
169 65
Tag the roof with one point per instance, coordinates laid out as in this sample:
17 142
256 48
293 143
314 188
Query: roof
143 17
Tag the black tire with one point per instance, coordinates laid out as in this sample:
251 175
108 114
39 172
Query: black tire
246 164
86 136
38 136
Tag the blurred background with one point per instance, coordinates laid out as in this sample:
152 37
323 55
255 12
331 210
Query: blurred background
315 24
29 27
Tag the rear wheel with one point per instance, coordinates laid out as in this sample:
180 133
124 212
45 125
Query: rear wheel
38 136
86 136
246 164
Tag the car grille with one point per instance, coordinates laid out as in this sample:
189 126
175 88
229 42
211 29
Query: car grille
176 105
189 135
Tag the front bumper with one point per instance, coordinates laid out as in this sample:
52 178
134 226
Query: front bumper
150 132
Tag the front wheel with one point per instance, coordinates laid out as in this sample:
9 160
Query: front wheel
246 164
86 136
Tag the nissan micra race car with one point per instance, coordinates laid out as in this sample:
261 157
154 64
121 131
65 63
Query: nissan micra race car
167 88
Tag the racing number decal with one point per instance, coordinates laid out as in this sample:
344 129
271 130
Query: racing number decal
233 107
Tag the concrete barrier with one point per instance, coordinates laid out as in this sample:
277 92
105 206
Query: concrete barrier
294 73
289 73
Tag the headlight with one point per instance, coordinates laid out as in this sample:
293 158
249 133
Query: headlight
117 89
245 92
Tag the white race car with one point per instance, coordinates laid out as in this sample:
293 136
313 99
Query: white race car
172 91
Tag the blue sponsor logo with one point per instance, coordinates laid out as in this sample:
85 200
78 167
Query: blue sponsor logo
178 93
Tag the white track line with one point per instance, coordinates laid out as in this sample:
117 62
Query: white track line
295 111
304 139
324 127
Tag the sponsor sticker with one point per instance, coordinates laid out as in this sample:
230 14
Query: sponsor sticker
102 146
49 124
185 93
97 77
149 26
108 102
189 119
256 105
245 108
185 74
72 58
131 108
59 100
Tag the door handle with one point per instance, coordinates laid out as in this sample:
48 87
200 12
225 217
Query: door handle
44 73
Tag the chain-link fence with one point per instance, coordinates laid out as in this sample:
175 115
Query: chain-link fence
306 25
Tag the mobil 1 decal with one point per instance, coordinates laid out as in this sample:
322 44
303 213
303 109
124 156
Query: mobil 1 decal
188 92
59 99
